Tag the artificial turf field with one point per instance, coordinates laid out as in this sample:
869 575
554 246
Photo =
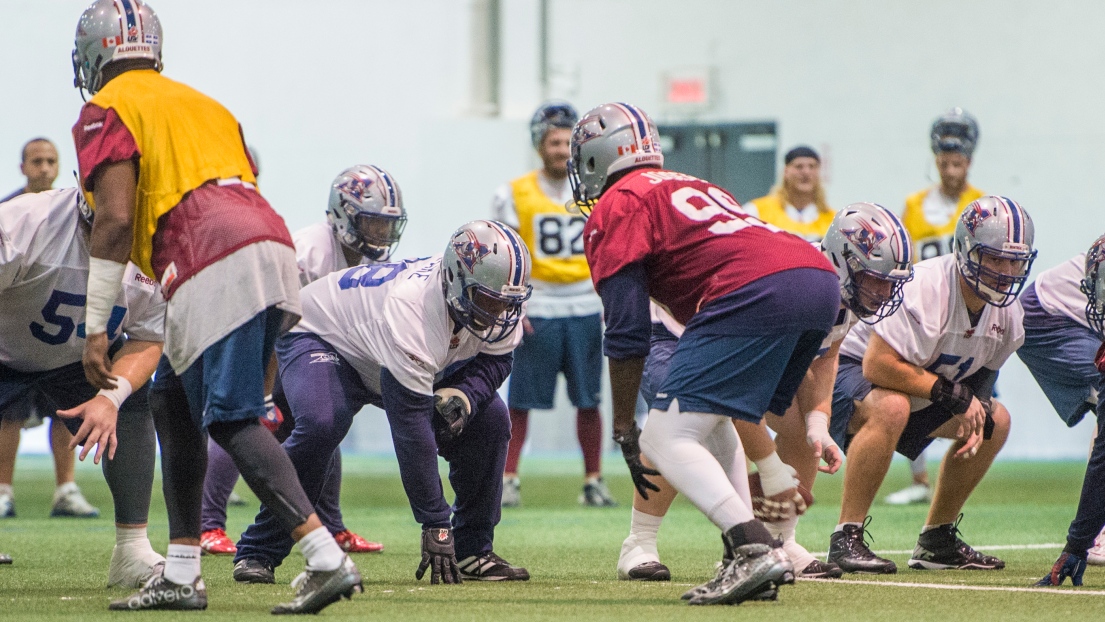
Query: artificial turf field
61 564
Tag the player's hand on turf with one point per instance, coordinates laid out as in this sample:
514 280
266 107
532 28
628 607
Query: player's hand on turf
99 417
629 441
96 362
438 556
454 407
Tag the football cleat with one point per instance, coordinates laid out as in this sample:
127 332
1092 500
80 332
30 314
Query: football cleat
216 542
915 493
942 549
595 494
512 492
5 558
848 549
1096 555
352 543
1068 565
316 589
818 569
490 567
754 570
636 563
648 571
254 570
133 565
68 501
7 506
161 593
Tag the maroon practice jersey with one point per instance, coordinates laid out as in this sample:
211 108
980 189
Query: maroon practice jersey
695 241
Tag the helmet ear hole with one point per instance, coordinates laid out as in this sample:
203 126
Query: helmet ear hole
590 165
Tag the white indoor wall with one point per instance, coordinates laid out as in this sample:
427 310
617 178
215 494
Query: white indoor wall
321 86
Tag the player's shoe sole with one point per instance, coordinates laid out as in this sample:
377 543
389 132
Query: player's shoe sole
648 571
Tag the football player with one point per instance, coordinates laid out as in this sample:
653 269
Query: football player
928 372
687 244
1064 324
798 203
429 341
44 241
872 255
365 219
930 217
168 173
563 323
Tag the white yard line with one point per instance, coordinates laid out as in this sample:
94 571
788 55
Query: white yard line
996 547
969 588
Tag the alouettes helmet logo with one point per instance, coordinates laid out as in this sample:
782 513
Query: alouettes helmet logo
356 187
974 215
865 238
471 251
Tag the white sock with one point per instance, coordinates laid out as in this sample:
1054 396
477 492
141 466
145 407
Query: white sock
931 527
645 527
840 527
6 489
321 551
130 535
182 564
783 530
64 489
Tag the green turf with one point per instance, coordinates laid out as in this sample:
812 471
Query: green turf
61 564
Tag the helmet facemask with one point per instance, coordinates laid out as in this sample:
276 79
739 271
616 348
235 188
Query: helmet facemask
996 287
489 315
872 295
1093 286
374 236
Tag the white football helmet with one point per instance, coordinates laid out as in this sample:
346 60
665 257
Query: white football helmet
998 229
366 211
609 139
1094 287
955 130
485 278
873 257
111 30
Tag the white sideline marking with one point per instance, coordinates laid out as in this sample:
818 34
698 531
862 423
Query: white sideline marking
970 588
996 547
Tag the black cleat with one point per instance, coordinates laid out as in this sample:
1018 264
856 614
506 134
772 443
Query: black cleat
755 569
818 569
942 549
254 570
490 567
848 550
649 571
161 593
317 589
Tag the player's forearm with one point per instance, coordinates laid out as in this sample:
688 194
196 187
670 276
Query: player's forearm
625 382
481 377
136 361
113 225
886 369
816 390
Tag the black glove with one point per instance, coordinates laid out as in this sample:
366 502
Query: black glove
951 395
438 555
631 451
452 405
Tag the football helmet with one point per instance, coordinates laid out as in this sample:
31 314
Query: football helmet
551 114
1094 287
868 246
955 130
366 211
608 139
997 229
111 30
485 278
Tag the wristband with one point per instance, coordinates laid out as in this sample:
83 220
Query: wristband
105 279
951 395
775 476
120 393
817 421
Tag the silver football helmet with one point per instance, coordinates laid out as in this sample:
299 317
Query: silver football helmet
551 114
366 211
993 248
111 30
873 257
955 130
485 278
609 139
1094 287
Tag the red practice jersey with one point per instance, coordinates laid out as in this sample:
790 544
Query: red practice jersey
695 241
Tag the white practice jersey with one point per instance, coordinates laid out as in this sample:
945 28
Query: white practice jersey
393 316
1060 289
318 252
44 282
933 330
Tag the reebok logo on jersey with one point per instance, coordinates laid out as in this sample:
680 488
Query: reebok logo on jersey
93 126
324 357
143 279
454 343
417 361
997 329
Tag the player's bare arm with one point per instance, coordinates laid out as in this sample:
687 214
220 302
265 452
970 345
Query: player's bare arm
815 402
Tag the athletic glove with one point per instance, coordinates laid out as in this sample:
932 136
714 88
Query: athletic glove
629 441
951 395
454 408
438 556
273 415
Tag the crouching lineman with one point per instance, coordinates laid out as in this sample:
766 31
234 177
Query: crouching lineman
928 372
364 220
44 240
1064 327
689 245
872 254
429 341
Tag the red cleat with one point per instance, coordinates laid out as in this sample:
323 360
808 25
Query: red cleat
352 543
216 542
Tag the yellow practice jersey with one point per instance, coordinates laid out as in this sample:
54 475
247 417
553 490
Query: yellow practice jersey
931 239
554 236
183 139
773 212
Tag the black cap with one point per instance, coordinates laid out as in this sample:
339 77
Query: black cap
801 151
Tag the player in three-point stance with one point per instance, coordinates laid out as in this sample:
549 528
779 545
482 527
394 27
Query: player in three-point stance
429 341
871 252
167 171
928 372
1064 319
44 241
720 272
